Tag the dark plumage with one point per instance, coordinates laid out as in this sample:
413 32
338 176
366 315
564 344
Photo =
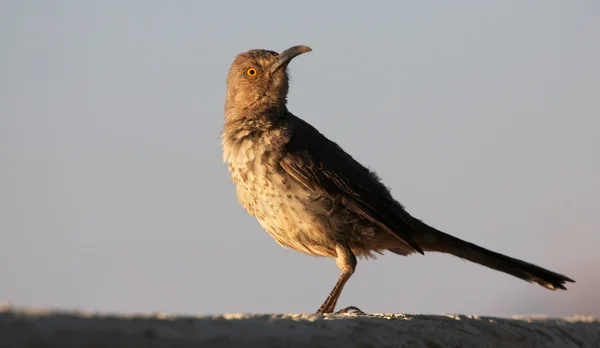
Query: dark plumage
312 196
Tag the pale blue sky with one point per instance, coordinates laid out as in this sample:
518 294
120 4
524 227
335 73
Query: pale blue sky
483 118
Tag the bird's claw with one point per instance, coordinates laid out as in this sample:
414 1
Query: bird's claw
350 310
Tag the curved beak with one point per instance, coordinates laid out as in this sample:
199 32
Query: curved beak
286 56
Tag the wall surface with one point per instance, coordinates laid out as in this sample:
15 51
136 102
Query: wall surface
41 328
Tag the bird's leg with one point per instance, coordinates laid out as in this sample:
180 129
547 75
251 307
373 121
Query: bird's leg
329 305
346 261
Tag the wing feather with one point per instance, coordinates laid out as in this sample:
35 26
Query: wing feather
325 168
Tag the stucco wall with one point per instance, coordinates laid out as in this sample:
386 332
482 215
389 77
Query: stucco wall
40 328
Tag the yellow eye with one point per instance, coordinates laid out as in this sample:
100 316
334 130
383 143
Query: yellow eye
251 72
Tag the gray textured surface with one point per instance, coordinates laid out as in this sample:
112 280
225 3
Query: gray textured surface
40 328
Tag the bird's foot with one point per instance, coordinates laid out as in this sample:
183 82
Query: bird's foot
350 310
323 311
347 310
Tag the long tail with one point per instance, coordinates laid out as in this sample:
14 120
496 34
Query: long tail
434 240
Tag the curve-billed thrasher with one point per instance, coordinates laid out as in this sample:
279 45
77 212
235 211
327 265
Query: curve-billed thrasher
313 197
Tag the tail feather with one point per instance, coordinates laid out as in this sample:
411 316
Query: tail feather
434 240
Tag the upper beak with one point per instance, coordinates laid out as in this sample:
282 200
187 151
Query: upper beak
286 56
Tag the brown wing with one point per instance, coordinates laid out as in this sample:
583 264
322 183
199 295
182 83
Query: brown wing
325 168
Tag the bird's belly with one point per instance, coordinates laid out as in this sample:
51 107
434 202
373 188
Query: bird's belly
282 206
297 217
287 216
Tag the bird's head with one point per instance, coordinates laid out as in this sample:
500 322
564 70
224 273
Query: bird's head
258 79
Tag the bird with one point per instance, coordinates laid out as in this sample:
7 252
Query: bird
313 197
